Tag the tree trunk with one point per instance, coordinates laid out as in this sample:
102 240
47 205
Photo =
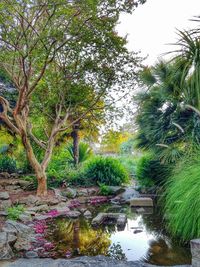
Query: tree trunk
42 183
75 136
37 167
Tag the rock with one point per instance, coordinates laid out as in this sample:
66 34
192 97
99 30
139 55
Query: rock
30 212
22 243
82 210
85 261
73 214
141 202
4 175
24 184
128 194
13 188
137 231
120 218
14 175
6 252
115 201
31 200
63 211
11 238
83 200
4 195
7 238
116 190
25 218
53 201
5 204
31 254
3 213
142 210
42 217
69 193
17 228
39 208
92 191
87 214
83 193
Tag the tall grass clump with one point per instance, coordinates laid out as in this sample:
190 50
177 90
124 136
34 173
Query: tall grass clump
182 200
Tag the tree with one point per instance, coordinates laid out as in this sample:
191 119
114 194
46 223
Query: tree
112 140
36 38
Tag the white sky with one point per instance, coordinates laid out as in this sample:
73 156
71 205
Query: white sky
153 25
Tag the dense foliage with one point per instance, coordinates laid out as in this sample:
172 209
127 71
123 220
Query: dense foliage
106 170
150 171
182 199
7 164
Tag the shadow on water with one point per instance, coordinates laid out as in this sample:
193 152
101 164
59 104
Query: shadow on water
143 238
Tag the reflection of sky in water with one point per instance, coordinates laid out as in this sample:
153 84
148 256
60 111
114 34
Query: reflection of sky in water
150 244
133 245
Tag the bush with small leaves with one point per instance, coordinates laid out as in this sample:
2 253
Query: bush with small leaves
7 164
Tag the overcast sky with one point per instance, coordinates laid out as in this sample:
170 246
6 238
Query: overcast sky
152 26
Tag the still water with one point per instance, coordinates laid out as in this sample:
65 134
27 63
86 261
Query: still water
143 238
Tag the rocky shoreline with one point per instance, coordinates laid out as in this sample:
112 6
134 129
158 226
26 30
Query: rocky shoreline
97 261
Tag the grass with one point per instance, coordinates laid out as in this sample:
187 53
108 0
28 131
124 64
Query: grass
182 200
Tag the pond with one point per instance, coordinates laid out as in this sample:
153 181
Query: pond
143 238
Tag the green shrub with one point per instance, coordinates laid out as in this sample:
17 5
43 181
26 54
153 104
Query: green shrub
15 211
150 171
182 200
106 170
130 164
105 190
7 164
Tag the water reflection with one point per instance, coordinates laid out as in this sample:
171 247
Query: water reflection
143 238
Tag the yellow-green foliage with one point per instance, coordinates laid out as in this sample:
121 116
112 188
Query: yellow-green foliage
182 203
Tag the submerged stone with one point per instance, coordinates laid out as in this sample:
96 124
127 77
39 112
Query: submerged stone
141 202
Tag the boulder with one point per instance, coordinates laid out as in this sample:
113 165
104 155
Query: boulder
4 196
31 200
141 202
5 204
73 214
6 252
23 243
87 214
129 194
17 228
69 192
